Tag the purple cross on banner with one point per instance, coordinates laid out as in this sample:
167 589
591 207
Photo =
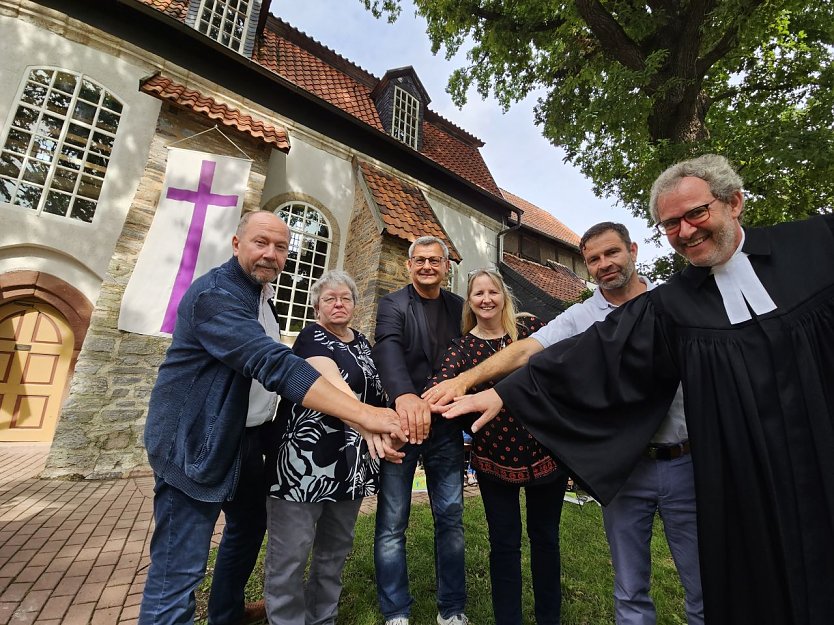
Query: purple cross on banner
202 198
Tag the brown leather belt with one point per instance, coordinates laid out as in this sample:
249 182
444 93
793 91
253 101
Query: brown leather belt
667 452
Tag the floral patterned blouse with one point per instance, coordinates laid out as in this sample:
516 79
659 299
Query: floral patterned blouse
314 457
503 449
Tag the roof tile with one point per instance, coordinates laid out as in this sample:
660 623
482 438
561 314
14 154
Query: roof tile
403 208
463 159
168 90
300 59
557 281
539 219
177 9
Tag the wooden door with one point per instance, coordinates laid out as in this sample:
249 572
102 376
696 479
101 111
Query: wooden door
35 352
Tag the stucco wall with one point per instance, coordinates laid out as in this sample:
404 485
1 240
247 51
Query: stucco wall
71 250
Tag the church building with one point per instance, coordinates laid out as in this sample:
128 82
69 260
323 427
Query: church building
135 132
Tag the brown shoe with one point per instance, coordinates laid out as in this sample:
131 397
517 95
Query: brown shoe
253 613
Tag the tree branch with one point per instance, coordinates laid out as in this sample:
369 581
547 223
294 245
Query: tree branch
728 40
750 88
612 38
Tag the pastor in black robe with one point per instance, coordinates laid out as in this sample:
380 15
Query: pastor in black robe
759 402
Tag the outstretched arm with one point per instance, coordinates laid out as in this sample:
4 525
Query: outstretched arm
496 366
486 403
326 398
379 444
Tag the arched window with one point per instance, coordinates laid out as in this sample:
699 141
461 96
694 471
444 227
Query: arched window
310 241
58 144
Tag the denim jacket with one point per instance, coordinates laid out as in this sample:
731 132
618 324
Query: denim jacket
197 411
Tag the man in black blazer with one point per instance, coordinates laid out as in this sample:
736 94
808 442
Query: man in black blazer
414 326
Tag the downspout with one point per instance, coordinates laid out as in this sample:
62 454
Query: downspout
499 238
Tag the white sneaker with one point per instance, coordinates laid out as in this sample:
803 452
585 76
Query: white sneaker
399 620
456 619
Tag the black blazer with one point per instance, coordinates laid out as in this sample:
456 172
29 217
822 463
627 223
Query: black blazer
402 351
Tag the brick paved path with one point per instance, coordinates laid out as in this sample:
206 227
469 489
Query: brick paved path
76 553
70 552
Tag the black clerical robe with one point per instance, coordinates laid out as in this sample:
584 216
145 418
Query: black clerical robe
759 401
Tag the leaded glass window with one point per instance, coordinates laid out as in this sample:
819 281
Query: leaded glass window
310 241
225 21
58 145
406 117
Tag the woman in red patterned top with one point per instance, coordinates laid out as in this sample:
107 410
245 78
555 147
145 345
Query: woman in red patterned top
507 458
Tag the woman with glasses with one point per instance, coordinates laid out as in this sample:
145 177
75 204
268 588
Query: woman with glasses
507 458
319 468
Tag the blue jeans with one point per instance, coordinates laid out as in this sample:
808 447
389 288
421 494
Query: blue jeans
442 455
667 487
503 514
182 538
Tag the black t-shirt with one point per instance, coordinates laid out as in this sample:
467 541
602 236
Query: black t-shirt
441 331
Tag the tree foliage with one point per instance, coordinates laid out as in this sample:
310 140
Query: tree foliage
631 87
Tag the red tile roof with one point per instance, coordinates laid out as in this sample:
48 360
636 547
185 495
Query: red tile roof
539 219
463 159
177 9
315 76
170 91
322 72
403 208
557 281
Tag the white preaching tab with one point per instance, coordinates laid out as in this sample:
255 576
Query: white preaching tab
191 232
738 283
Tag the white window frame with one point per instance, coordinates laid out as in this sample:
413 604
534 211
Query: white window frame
224 13
66 153
406 117
290 287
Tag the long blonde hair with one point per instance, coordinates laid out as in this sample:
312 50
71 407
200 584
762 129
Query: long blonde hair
468 319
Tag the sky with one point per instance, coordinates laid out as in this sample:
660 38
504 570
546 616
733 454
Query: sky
520 159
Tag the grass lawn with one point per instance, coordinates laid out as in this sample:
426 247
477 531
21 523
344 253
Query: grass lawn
586 572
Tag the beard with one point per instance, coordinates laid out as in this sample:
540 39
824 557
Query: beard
273 270
623 276
724 241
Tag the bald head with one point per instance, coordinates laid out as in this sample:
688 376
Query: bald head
261 245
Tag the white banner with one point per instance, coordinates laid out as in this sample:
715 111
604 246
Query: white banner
191 232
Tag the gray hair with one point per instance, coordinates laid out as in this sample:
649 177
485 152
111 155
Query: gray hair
428 240
713 169
331 279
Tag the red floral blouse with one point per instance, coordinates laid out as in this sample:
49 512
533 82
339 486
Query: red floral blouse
503 449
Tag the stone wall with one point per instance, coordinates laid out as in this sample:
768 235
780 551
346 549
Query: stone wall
99 434
363 249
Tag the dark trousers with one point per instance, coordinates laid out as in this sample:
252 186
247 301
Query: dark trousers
181 542
243 534
503 514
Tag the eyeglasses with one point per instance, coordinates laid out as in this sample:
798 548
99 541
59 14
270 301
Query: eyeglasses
693 217
330 300
434 261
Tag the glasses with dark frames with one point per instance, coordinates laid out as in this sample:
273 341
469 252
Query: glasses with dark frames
693 217
434 261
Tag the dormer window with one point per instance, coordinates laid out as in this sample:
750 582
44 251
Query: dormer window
227 21
402 103
406 117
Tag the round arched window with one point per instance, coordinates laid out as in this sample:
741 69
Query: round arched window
310 242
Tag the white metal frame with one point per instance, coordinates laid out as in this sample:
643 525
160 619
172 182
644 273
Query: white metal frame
60 155
309 258
406 118
225 21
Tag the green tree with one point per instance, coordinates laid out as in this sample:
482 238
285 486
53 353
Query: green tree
631 87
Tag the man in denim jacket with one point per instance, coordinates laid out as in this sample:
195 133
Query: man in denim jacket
198 410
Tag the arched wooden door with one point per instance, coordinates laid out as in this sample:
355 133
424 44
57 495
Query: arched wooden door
35 353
